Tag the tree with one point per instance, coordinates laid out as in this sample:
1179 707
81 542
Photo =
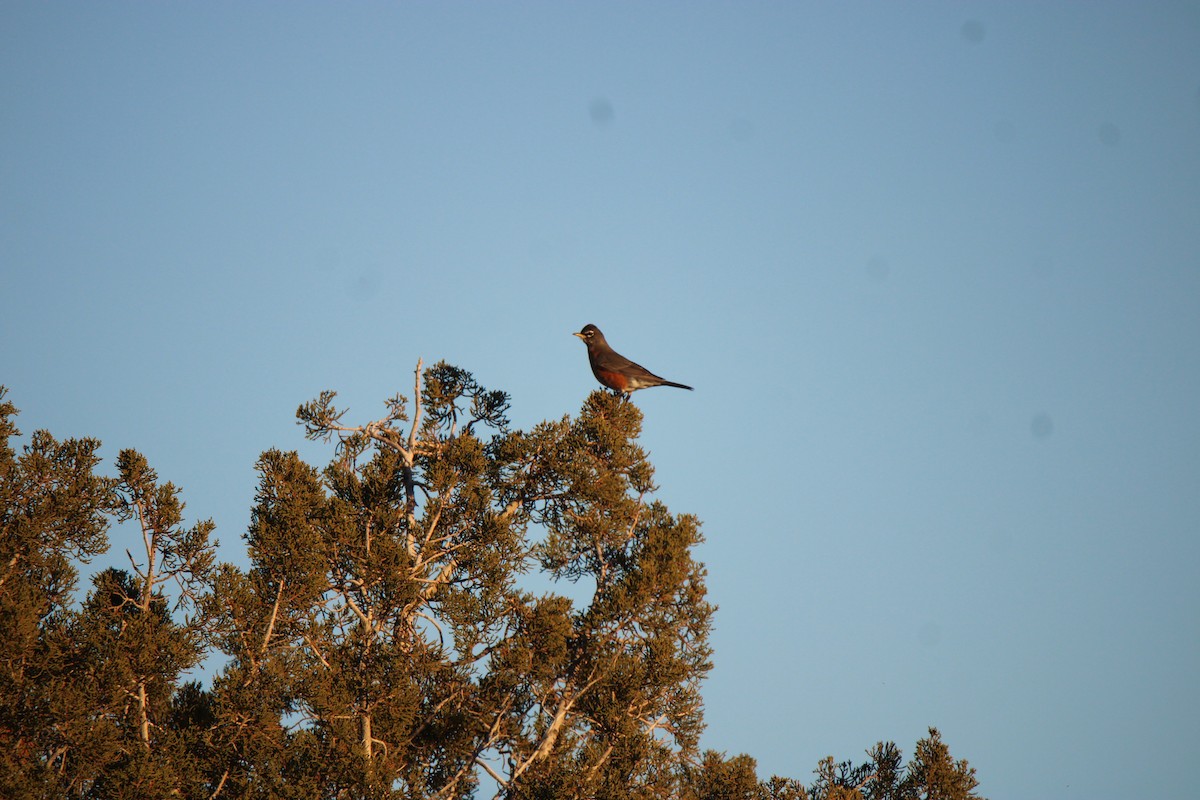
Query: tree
86 694
384 612
934 775
719 778
931 775
53 511
138 632
449 608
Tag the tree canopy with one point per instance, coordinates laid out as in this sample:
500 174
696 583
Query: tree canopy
449 608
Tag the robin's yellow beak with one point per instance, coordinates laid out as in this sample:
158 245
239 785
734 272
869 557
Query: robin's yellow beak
580 335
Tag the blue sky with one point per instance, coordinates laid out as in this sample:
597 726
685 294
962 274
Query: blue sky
933 269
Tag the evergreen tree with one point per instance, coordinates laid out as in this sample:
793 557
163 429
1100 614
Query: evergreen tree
138 632
719 778
934 775
53 511
449 608
86 693
931 775
384 631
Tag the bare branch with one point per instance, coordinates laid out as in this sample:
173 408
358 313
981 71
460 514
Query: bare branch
353 606
220 785
274 613
491 772
436 583
433 524
8 568
410 491
143 715
550 737
417 406
510 509
599 763
434 623
637 515
313 646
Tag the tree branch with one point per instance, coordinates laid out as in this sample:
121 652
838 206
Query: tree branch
503 784
271 622
353 606
8 568
550 737
220 785
438 582
312 645
143 715
599 763
410 490
449 787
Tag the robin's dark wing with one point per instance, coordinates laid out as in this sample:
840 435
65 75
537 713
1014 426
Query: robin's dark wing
612 361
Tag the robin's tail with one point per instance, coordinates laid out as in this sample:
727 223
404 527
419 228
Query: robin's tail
677 385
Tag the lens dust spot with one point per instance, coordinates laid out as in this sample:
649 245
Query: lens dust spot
741 130
973 31
930 634
364 286
878 269
601 111
1110 135
1042 427
1004 131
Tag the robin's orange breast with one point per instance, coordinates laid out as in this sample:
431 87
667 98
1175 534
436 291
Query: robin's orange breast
613 380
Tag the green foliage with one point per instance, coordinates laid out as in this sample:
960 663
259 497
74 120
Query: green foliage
384 641
931 775
934 775
54 510
718 778
404 642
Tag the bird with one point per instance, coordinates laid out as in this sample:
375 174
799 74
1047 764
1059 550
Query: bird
615 370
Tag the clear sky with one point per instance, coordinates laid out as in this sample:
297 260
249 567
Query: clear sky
933 269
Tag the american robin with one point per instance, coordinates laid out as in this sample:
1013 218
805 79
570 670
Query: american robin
615 370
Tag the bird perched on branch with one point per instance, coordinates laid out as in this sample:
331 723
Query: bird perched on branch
615 370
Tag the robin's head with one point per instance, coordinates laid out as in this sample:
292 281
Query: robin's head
590 335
